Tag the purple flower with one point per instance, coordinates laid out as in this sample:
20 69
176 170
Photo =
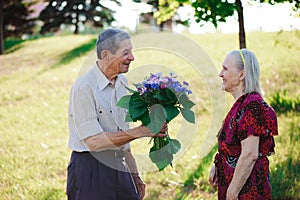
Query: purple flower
189 91
178 89
157 81
185 83
163 86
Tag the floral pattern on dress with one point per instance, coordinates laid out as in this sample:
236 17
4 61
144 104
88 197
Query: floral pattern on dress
250 115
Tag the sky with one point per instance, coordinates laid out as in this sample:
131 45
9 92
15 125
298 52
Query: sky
258 16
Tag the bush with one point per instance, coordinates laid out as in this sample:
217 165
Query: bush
282 102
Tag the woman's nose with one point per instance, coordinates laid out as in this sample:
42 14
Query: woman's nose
221 73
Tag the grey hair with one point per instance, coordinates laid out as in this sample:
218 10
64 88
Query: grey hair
110 40
250 65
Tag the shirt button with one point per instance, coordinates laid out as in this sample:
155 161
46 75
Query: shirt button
110 111
100 111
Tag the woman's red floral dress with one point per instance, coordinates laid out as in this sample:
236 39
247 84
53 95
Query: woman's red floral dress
250 115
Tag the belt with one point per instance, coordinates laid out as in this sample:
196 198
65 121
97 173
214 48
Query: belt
106 153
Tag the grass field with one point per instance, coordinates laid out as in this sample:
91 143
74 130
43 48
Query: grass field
36 76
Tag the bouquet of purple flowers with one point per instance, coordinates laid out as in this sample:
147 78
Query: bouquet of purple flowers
157 100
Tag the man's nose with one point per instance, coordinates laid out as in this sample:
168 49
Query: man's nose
131 57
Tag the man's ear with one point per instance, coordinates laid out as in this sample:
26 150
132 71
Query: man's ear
242 75
104 54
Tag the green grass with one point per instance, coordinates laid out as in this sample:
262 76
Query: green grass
35 82
11 45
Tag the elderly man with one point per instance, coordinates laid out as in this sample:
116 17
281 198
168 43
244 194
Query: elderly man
102 165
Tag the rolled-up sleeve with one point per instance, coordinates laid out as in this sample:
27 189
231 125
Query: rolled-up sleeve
84 112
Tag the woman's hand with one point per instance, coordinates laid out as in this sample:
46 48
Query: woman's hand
213 179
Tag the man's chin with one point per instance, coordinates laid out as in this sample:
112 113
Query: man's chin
125 69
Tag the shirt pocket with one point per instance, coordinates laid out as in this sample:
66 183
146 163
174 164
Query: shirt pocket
105 119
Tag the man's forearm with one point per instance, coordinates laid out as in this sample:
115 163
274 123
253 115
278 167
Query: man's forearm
114 139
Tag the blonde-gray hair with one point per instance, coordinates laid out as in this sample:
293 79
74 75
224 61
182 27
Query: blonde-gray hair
247 61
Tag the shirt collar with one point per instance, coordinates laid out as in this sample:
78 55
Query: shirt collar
103 82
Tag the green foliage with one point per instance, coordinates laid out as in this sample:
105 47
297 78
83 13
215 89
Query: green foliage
124 102
16 20
282 102
161 153
213 11
137 106
141 106
217 11
166 10
158 117
75 12
155 106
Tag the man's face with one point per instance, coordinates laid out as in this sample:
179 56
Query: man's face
119 62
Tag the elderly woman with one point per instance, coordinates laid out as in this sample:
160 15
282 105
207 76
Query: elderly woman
241 166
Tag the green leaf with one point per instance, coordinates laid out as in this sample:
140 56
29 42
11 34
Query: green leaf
161 158
130 90
137 107
158 117
172 112
172 98
128 118
173 146
146 118
124 102
188 115
167 96
185 102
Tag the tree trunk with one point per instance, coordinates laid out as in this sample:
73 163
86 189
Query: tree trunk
76 24
76 29
161 26
1 28
242 36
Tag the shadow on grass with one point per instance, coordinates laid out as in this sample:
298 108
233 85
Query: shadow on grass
75 53
198 180
11 45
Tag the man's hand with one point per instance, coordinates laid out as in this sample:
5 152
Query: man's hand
163 131
144 131
141 186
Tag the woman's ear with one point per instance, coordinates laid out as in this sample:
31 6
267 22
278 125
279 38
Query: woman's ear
242 75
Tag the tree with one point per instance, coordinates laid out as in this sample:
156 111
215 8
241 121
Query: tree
217 11
1 29
164 11
74 12
15 20
167 9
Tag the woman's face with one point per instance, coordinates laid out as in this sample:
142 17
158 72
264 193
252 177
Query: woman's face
231 75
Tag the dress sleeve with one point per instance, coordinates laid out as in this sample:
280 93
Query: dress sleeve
252 121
